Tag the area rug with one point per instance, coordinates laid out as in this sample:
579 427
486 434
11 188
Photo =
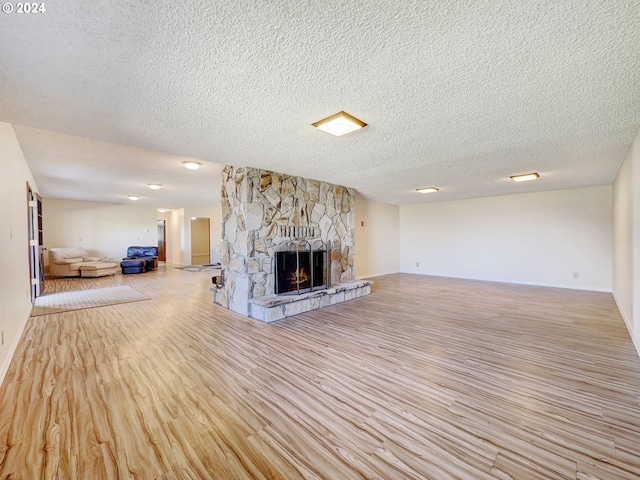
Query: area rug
199 268
81 299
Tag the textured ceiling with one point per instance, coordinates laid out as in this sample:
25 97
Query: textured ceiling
457 94
79 168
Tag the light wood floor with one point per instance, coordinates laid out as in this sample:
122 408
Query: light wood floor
425 378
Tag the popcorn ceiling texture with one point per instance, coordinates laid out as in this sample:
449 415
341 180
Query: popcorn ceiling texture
458 94
255 205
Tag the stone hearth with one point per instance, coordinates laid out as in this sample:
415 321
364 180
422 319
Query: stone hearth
275 307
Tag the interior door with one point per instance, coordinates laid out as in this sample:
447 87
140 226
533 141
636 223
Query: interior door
162 241
200 241
36 247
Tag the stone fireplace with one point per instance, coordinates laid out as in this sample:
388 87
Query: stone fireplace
272 220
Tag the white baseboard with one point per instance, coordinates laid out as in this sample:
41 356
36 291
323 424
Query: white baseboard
629 323
376 274
12 350
588 288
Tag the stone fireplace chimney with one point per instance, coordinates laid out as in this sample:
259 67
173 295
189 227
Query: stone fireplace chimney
262 210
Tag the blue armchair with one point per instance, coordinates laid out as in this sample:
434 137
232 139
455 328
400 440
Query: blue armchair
140 259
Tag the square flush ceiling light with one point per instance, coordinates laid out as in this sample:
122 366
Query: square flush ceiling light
427 190
525 177
339 124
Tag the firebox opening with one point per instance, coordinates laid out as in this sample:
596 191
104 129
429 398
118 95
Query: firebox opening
299 272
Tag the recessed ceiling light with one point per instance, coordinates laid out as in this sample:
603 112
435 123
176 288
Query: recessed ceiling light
133 197
154 186
192 165
339 124
162 210
427 189
525 177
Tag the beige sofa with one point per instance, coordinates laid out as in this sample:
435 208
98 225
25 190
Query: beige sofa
67 262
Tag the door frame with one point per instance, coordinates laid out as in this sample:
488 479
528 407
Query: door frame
208 230
162 253
35 244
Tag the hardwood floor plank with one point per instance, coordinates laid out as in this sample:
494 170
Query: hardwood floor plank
513 465
429 449
399 464
426 378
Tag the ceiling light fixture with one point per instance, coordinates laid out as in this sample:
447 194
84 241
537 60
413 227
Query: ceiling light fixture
339 124
194 218
525 177
133 197
192 165
427 189
162 210
154 186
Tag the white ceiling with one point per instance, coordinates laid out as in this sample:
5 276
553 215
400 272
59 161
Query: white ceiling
457 94
79 168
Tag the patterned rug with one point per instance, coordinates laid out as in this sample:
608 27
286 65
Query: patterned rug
81 299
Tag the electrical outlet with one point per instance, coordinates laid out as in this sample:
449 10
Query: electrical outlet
576 275
417 264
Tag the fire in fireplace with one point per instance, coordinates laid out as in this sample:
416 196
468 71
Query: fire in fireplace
300 271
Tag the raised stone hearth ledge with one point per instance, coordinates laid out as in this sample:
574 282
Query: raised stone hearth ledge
270 308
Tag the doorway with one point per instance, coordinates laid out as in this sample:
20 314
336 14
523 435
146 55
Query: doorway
162 241
200 241
36 248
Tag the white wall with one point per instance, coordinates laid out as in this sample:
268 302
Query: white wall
15 295
626 238
622 240
104 229
635 311
175 235
534 238
377 242
173 223
178 230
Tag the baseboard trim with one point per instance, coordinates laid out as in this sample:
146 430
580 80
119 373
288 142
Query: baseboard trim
628 323
12 349
377 274
587 288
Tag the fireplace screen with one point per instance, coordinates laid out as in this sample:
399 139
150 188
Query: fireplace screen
300 271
